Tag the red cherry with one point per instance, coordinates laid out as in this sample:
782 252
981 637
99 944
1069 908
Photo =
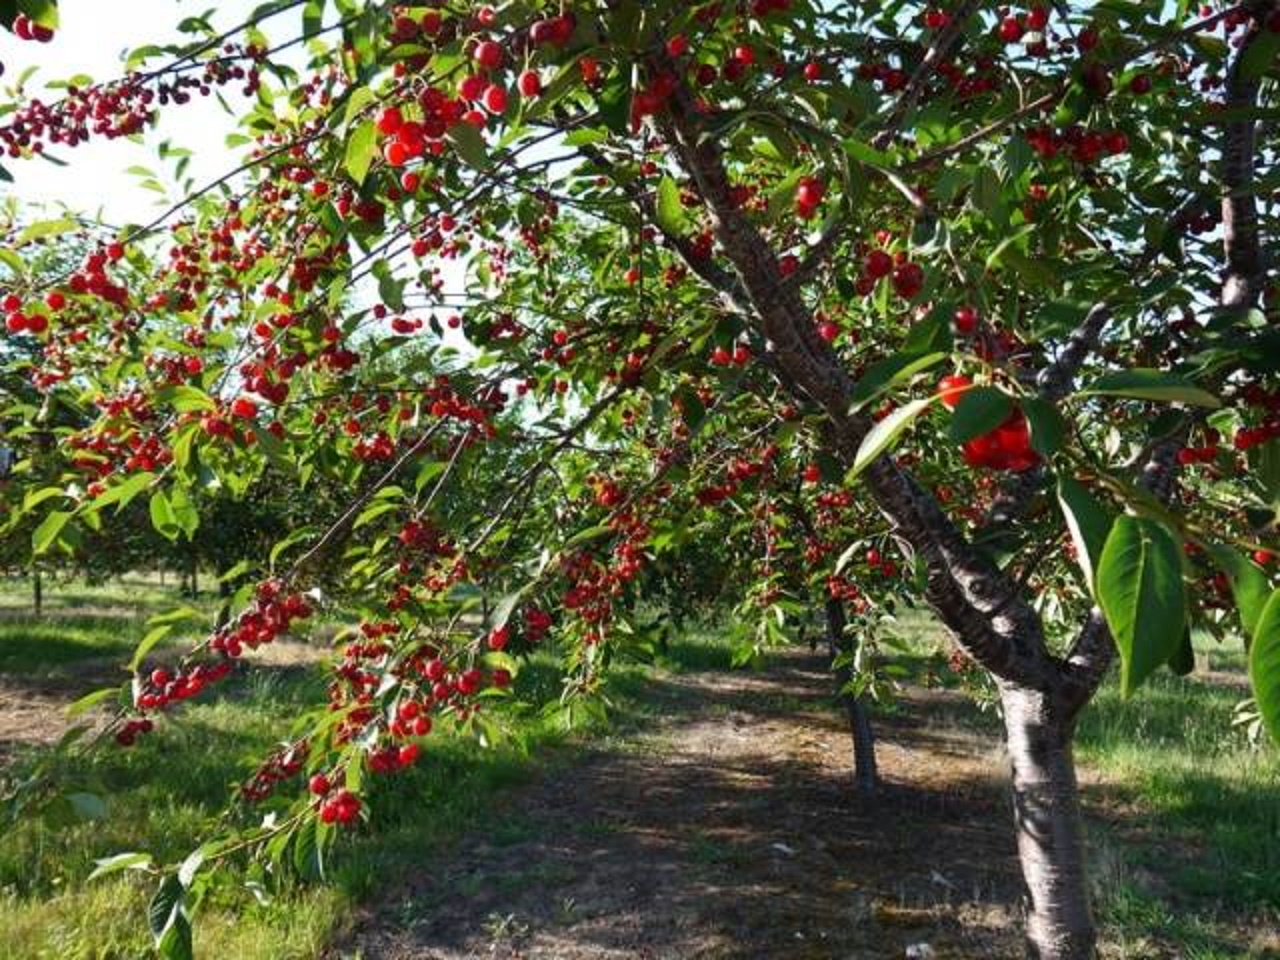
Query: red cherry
678 46
813 71
877 264
908 279
489 54
1010 30
966 320
952 388
529 84
1140 84
389 121
1037 19
408 754
244 408
1263 558
319 785
495 99
809 192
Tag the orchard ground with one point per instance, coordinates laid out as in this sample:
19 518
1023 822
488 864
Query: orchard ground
711 816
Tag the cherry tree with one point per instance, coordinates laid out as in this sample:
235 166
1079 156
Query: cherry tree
538 288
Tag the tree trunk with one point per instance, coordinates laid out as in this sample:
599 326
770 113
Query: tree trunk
1046 812
37 591
865 777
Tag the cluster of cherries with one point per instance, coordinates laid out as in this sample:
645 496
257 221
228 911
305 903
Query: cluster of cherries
24 28
906 276
273 612
1007 447
336 806
284 764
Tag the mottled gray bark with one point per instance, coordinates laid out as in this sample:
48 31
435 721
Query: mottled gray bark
1046 811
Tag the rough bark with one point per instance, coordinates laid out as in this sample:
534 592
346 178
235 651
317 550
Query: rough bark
865 776
1046 811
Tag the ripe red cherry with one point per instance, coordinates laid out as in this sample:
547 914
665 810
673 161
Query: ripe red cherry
966 320
1010 30
529 84
244 408
1037 18
812 474
408 754
55 300
115 251
952 388
495 99
489 54
389 121
877 264
678 46
810 191
319 785
828 331
813 71
908 278
1140 84
721 357
1263 558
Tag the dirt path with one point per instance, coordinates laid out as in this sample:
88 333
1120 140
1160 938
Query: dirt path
730 830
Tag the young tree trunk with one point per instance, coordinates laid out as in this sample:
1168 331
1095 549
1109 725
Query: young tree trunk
37 591
1046 812
865 777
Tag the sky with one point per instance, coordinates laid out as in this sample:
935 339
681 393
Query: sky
93 39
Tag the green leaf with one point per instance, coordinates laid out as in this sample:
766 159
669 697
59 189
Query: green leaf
122 493
165 907
1048 428
885 374
1088 522
185 398
1249 585
1264 665
162 516
121 861
1140 590
184 511
147 644
43 12
883 435
1147 384
91 700
469 144
1183 660
1259 55
50 529
43 229
34 498
362 147
668 210
980 410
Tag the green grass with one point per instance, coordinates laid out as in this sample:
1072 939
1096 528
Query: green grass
164 794
80 624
